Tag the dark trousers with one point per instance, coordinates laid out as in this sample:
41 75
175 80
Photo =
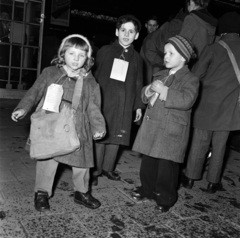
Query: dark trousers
105 157
159 179
202 139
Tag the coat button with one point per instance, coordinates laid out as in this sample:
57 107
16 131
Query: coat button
147 117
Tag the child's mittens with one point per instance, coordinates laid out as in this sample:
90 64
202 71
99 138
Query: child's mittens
98 135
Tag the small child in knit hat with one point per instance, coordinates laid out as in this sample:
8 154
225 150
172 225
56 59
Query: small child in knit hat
163 136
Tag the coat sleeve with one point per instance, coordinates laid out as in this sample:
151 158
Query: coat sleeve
184 98
34 94
139 85
96 118
189 27
201 67
152 52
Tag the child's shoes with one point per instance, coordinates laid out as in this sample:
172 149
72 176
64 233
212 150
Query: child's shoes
86 199
41 201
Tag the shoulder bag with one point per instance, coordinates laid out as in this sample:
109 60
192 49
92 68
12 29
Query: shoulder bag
54 134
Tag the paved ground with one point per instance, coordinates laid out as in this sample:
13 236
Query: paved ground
196 214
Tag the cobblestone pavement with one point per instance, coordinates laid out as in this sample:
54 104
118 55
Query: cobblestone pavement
196 214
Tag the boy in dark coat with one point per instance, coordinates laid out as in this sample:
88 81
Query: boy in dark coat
121 93
217 109
164 132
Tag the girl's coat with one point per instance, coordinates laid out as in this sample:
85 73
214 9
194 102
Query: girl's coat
89 117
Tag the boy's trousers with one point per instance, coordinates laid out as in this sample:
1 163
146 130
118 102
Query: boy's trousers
159 180
45 173
201 141
105 157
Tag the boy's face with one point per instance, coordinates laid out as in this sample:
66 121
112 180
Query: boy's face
151 26
172 59
126 34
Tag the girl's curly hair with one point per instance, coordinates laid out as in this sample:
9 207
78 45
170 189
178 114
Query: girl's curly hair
78 42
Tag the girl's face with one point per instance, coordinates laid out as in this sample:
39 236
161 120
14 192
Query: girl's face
75 58
172 59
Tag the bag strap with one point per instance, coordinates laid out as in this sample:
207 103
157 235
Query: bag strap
232 58
77 93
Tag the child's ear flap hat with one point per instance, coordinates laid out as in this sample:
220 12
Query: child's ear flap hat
183 46
229 23
80 36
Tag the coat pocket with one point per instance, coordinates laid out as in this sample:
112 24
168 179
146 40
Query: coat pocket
176 127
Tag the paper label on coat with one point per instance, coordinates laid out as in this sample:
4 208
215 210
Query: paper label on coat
53 98
119 70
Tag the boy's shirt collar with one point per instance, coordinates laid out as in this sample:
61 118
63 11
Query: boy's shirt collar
178 74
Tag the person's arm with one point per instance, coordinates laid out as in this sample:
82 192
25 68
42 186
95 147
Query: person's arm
153 55
201 67
32 97
189 27
184 98
96 118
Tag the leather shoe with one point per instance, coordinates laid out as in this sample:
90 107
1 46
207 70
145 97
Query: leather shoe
187 182
86 199
213 187
162 208
137 195
111 175
41 202
94 180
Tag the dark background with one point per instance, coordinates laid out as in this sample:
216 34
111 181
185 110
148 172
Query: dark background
102 32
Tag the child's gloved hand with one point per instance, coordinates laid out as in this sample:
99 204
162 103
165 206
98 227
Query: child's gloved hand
98 135
17 114
157 86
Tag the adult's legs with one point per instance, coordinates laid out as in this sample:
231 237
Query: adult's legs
219 141
200 144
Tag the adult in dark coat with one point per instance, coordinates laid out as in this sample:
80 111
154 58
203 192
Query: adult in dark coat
152 50
199 25
217 110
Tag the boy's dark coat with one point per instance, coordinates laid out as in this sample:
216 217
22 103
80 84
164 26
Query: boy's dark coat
89 117
119 99
165 128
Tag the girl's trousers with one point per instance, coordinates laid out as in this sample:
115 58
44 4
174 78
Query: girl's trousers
45 173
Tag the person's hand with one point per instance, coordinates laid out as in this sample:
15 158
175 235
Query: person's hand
17 114
157 86
98 135
138 115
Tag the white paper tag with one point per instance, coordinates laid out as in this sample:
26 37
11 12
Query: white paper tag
53 98
119 70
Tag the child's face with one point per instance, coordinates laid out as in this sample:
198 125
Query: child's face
126 34
172 59
75 58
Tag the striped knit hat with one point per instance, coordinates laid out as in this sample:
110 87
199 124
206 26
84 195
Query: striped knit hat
184 47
